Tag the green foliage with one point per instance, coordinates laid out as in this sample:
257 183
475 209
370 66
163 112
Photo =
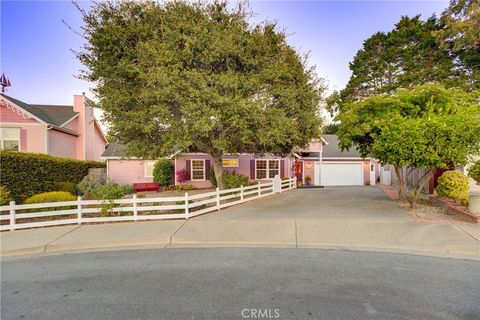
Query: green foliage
91 181
415 52
54 196
331 128
176 74
26 174
454 185
181 187
232 180
425 127
163 172
474 171
5 197
69 187
110 191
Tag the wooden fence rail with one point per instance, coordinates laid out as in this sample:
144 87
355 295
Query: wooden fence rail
136 209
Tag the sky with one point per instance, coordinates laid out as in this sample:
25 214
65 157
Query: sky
36 46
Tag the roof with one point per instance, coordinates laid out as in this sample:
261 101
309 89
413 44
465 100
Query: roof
114 150
332 150
51 114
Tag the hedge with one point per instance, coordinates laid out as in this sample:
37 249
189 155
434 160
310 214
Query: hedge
25 174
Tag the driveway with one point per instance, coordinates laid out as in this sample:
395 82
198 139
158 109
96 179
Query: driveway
332 203
351 218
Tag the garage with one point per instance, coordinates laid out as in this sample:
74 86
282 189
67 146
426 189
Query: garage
339 174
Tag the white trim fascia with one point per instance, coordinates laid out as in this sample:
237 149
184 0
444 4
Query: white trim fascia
70 120
347 158
23 110
100 129
191 170
46 139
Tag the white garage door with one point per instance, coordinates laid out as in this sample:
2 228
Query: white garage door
341 174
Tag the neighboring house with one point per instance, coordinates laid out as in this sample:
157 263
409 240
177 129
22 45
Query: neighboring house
322 161
64 131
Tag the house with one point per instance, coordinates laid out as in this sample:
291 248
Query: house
322 161
57 130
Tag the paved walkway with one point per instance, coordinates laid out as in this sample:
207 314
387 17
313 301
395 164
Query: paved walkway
352 218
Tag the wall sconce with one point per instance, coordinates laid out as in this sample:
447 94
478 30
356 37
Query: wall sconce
309 165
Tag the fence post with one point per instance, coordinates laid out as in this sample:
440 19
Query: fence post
135 211
241 192
277 184
12 215
79 210
259 189
186 205
218 198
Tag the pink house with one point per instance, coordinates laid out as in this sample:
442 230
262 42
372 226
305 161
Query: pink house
58 130
323 162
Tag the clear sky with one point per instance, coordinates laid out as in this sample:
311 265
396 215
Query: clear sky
36 46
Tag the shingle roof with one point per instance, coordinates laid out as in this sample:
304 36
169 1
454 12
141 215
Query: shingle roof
114 150
52 114
332 150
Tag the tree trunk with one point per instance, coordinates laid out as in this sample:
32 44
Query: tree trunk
417 189
218 169
402 184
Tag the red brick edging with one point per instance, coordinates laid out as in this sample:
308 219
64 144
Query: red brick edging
455 208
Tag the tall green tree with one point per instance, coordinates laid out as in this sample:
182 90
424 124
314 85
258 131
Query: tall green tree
407 56
178 74
425 127
460 36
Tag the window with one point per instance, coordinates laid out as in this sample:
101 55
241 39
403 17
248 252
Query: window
10 139
230 163
267 169
148 166
198 170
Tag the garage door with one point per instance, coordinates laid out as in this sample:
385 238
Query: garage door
341 174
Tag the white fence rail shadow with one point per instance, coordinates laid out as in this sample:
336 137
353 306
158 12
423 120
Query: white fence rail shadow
136 209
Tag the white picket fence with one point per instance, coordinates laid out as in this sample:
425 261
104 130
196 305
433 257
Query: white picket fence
135 209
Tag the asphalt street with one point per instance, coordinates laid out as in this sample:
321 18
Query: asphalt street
239 284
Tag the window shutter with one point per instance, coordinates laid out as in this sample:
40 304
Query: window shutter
23 140
187 169
252 169
282 169
207 169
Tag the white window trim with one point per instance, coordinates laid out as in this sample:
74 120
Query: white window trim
238 163
191 170
145 168
268 168
19 138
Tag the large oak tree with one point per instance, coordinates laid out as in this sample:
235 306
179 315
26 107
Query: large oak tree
179 74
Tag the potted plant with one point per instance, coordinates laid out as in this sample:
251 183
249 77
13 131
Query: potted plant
308 180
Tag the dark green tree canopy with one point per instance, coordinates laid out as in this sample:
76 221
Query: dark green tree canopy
413 53
177 74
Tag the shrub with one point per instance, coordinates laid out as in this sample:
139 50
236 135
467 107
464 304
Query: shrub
163 172
54 196
110 191
182 187
181 176
5 197
91 181
454 184
25 174
65 186
233 180
474 171
308 179
213 178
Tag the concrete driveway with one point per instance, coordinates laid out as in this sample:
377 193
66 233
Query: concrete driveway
351 218
333 203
